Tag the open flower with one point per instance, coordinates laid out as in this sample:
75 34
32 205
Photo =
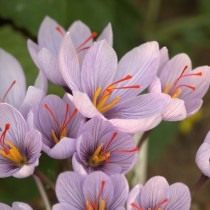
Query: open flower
15 206
203 156
58 121
186 87
13 84
157 194
96 191
50 36
20 146
102 147
103 88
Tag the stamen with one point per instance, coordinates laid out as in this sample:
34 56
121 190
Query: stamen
8 90
127 77
92 36
124 87
59 30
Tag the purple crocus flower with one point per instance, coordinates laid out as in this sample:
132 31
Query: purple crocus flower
15 206
103 88
158 194
50 36
101 147
186 87
58 121
20 146
96 191
13 84
203 156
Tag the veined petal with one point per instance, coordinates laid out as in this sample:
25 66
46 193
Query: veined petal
175 110
69 63
50 35
164 57
64 206
193 106
98 67
107 34
77 166
11 71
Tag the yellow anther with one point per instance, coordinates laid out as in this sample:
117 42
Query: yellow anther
177 93
13 154
166 89
96 95
56 138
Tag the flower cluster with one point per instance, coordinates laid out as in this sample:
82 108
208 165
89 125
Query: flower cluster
106 102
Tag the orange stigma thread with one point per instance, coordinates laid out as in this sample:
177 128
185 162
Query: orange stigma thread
63 126
100 203
83 46
9 150
175 90
60 30
8 90
101 97
136 206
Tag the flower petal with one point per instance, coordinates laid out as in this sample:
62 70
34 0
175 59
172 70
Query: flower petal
41 82
33 49
7 169
107 34
164 57
155 86
64 206
11 71
77 166
4 207
69 189
179 197
98 67
21 206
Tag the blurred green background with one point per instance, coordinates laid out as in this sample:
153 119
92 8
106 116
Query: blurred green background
181 25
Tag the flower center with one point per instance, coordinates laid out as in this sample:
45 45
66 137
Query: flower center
175 89
9 150
100 203
7 91
62 127
101 98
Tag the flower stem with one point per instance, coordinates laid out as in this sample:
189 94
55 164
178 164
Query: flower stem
143 138
42 192
200 183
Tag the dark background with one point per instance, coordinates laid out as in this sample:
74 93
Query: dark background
181 25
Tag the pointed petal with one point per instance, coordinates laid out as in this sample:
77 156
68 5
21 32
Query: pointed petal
164 57
98 67
10 71
49 64
107 34
79 32
69 63
193 106
175 111
142 64
41 82
179 197
33 49
69 189
49 37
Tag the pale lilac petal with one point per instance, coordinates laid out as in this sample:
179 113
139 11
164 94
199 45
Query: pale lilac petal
69 189
121 189
175 110
207 138
92 187
173 69
79 32
5 207
203 157
98 67
63 149
7 169
69 63
48 36
107 34
10 71
64 206
84 105
142 64
133 196
155 86
136 125
33 97
33 49
77 166
41 82
21 206
154 192
179 197
49 64
164 57
193 106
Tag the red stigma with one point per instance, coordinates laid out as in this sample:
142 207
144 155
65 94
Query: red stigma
8 90
52 114
135 149
136 206
2 138
114 135
59 30
102 186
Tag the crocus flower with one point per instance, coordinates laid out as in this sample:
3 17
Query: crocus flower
50 36
15 206
20 146
203 156
186 87
102 147
13 84
157 194
103 88
58 121
96 191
